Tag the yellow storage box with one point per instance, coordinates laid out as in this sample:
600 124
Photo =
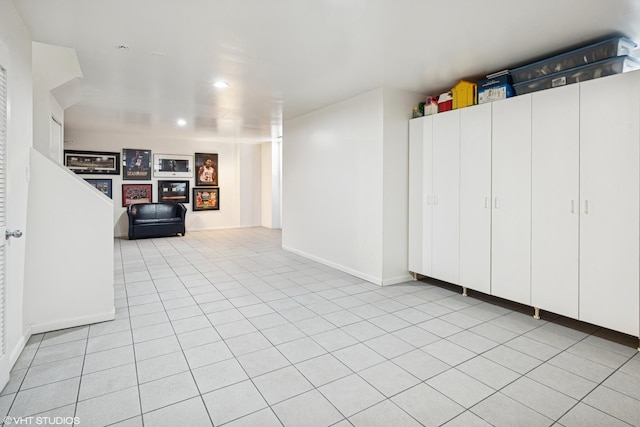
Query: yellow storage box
464 94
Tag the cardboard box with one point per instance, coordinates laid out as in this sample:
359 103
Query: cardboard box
495 89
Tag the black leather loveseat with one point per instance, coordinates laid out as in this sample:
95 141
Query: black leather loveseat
156 219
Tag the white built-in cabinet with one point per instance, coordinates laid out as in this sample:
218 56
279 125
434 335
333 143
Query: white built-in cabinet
420 135
446 197
548 189
475 197
610 202
434 196
555 211
511 190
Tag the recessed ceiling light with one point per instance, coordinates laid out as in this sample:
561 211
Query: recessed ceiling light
221 84
122 47
181 122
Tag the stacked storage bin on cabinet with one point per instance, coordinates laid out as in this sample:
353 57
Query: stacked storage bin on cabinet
601 59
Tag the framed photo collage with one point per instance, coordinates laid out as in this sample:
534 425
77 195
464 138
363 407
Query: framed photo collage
174 173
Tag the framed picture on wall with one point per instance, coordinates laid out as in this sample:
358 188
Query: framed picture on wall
102 185
172 166
92 162
173 191
136 193
206 199
136 164
207 169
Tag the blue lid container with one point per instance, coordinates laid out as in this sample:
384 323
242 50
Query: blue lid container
616 46
606 67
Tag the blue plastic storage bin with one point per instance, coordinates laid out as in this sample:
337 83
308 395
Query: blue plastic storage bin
616 46
606 67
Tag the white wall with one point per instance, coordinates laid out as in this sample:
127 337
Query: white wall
276 185
45 107
238 177
15 43
249 177
271 183
345 185
332 185
267 182
55 73
398 106
69 250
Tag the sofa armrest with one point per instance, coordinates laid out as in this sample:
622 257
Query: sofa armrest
131 213
181 210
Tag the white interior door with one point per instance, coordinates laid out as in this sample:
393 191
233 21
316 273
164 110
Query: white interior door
511 218
475 197
554 199
446 196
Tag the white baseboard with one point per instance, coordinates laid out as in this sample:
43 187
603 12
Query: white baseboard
73 322
17 349
360 274
399 279
375 280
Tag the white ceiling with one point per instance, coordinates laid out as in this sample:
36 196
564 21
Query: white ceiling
284 58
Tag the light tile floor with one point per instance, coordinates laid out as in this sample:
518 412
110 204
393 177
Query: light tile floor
226 328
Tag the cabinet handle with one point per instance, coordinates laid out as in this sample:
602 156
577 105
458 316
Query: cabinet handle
586 207
486 203
573 209
496 204
428 200
435 200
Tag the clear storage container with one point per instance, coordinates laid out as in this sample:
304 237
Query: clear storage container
617 46
606 67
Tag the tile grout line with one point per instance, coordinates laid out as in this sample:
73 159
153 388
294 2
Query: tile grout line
578 401
84 356
235 357
13 401
239 270
133 344
182 350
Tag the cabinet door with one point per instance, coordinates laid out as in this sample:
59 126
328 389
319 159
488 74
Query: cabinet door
610 205
420 135
511 187
555 177
446 196
475 197
416 199
427 191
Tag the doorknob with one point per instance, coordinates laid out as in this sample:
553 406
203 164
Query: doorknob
14 233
